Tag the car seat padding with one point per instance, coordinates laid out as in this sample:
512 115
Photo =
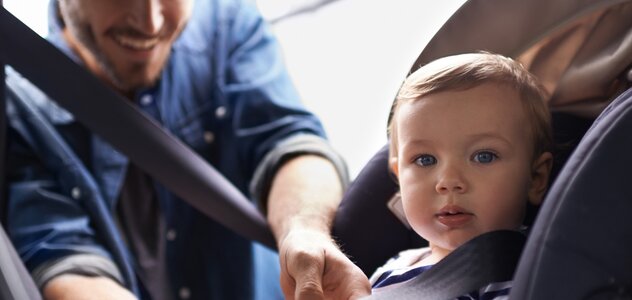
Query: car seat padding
581 243
365 229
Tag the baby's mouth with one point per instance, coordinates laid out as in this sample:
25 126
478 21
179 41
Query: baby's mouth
454 216
449 213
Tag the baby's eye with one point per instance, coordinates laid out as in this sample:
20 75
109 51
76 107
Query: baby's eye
425 160
485 157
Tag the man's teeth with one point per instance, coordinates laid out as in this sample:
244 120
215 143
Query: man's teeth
136 43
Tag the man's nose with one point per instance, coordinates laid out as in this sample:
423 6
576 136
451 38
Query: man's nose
147 16
451 180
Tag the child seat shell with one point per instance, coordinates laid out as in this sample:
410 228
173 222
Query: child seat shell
582 52
580 245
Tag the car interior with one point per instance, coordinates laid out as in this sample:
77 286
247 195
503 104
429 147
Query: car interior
582 52
579 242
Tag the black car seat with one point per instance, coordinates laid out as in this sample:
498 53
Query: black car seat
581 245
365 229
580 50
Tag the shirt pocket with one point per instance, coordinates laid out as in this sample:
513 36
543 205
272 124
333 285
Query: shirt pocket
196 130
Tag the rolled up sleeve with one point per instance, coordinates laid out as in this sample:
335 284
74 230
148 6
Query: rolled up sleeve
293 146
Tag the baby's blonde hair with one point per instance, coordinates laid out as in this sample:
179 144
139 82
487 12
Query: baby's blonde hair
466 71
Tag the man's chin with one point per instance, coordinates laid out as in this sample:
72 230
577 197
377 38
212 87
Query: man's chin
133 77
130 85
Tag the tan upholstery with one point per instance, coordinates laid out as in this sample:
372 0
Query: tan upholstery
581 50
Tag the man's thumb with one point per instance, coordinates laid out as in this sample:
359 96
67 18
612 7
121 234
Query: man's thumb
309 285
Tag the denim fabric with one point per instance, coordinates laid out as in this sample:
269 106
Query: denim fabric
224 92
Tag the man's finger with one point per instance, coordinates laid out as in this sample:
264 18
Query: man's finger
344 280
309 289
287 286
308 274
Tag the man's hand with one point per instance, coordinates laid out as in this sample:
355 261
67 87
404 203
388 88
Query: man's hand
70 286
303 199
312 267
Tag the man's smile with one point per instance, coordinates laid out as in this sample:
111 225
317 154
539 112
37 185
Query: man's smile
135 42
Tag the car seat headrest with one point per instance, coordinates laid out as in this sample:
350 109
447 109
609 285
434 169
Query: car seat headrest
581 50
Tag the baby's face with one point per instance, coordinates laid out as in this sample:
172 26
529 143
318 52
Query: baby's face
463 163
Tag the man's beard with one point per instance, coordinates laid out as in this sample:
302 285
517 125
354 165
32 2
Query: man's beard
85 36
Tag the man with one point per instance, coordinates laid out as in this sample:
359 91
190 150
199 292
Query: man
210 72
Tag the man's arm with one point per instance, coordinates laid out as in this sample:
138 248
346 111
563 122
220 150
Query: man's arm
293 178
85 276
301 206
46 222
71 286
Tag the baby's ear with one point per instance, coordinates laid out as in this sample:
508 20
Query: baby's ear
392 164
540 172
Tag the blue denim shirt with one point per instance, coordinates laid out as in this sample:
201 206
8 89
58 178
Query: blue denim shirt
224 92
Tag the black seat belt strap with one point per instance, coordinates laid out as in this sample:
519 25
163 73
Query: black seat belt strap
134 134
490 257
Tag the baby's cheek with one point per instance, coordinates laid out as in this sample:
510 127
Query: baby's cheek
509 216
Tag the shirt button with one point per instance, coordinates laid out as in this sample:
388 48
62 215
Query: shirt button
171 235
220 112
209 137
75 193
184 293
146 100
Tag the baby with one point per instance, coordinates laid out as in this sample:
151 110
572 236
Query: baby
470 146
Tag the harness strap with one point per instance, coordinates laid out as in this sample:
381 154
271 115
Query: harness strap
490 257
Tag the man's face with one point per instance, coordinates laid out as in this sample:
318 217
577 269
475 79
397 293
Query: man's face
464 163
124 42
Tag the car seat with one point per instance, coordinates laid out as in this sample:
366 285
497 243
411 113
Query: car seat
365 229
581 245
580 50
